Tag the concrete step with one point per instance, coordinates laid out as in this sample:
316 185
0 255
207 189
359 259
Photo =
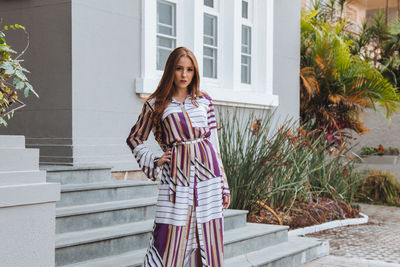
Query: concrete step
130 259
296 251
19 159
22 177
91 244
86 245
91 216
12 141
292 253
234 219
252 237
81 194
77 175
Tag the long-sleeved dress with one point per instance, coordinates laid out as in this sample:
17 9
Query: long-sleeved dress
189 217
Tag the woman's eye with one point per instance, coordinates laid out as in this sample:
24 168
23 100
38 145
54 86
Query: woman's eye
190 69
178 68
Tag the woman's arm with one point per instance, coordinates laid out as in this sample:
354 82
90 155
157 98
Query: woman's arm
139 133
212 124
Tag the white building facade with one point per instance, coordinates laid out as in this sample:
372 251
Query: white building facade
103 57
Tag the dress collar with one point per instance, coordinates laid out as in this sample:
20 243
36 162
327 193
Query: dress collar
176 101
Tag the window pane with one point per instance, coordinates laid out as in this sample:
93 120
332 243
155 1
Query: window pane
208 51
164 29
162 55
165 17
245 9
209 62
245 60
210 30
164 12
207 67
246 69
209 3
165 42
244 74
246 39
245 35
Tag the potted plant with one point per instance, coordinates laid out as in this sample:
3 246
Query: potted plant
379 155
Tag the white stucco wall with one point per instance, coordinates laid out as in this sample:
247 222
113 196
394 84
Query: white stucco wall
381 132
106 45
27 235
106 61
287 58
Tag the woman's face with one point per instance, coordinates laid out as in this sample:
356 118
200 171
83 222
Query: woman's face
184 72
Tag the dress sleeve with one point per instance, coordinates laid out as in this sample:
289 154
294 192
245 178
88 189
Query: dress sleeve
139 133
212 124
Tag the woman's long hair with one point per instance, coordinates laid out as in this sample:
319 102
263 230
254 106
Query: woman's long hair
166 87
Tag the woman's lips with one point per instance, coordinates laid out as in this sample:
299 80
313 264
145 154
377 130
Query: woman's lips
183 81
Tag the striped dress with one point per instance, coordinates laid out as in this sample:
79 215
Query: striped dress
189 219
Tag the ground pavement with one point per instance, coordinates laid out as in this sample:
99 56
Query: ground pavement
374 244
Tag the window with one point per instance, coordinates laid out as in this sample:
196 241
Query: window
209 3
166 31
246 55
210 46
245 9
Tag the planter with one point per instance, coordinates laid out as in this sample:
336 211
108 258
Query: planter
329 225
385 159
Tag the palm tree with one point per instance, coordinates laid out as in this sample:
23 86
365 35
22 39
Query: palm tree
335 85
387 13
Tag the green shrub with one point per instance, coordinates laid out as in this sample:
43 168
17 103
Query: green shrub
380 187
279 165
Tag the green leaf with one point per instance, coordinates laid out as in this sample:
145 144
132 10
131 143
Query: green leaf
6 48
26 91
20 75
3 122
30 88
18 83
8 67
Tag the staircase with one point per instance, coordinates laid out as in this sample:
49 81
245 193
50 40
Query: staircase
102 222
27 206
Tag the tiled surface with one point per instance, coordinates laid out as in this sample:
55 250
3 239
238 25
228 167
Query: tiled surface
374 244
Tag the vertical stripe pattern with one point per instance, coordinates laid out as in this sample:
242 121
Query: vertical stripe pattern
189 221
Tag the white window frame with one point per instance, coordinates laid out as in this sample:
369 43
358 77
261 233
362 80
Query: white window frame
213 12
248 23
150 76
248 55
171 37
227 89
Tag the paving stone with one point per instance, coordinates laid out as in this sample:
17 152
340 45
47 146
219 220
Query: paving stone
377 243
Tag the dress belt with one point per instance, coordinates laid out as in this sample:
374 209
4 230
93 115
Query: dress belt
188 142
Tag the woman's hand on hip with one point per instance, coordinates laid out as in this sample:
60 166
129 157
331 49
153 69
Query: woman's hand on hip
166 157
226 201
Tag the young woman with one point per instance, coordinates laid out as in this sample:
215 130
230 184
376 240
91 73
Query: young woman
188 228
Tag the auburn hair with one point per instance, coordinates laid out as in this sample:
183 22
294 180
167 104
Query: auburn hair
166 87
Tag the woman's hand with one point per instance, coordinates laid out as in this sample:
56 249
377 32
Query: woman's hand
166 157
226 201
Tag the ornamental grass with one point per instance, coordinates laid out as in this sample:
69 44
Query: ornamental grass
281 164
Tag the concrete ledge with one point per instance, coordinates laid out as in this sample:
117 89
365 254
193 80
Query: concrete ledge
21 159
27 194
329 225
12 141
22 177
384 159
